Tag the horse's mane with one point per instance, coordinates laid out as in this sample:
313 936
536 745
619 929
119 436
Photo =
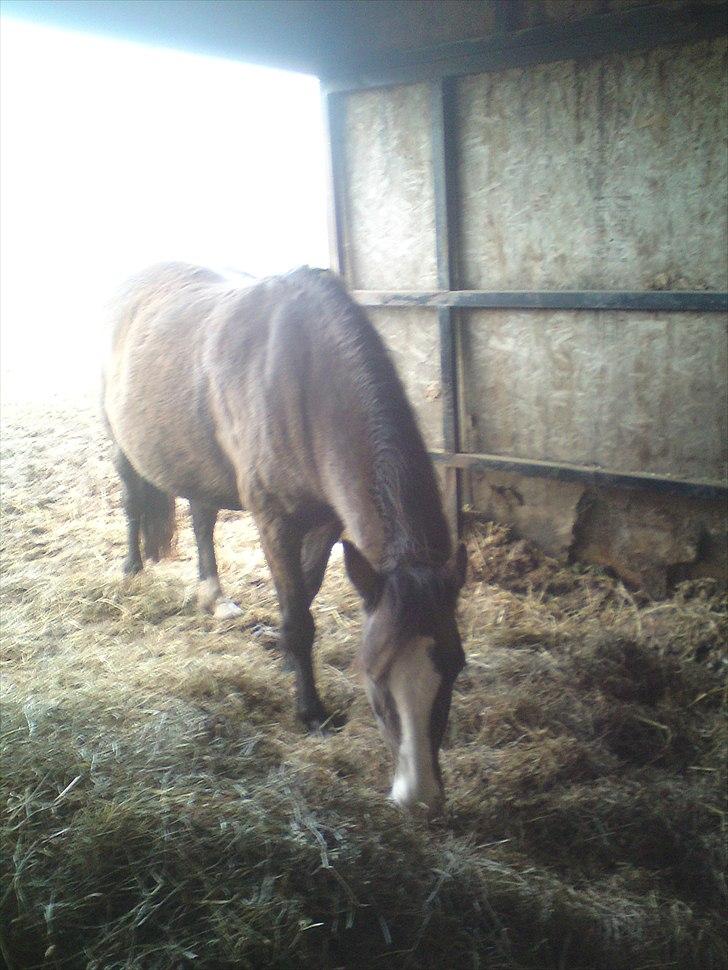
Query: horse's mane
405 487
419 596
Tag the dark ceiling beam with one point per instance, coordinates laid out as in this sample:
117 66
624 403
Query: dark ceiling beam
641 28
346 42
295 35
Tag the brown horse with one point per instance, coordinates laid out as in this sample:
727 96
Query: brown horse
280 398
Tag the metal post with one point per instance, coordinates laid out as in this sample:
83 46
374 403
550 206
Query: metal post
333 112
443 145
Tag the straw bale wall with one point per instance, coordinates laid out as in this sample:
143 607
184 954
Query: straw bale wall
607 173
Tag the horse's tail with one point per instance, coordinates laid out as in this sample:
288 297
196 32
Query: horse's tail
158 521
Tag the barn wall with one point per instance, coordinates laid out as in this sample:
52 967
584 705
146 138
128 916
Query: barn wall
633 392
602 174
390 195
606 174
650 540
413 341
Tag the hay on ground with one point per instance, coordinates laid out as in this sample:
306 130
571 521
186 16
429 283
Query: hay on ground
163 809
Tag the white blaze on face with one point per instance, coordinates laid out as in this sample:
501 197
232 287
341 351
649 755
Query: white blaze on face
413 684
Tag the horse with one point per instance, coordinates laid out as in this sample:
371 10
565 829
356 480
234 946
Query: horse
281 398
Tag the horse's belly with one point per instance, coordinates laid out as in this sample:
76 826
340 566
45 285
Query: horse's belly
193 474
173 447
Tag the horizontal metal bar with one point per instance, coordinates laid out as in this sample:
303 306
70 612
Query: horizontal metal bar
642 28
666 301
585 474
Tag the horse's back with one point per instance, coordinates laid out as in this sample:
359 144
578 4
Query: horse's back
237 395
156 386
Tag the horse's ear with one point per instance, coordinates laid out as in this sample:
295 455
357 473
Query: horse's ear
457 566
367 581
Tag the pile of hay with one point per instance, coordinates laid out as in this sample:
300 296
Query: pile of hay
162 809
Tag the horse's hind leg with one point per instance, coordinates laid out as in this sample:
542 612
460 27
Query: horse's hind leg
209 594
133 501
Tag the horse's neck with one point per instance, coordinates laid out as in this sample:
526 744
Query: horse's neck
391 502
394 523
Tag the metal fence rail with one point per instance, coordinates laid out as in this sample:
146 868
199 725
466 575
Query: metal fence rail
657 301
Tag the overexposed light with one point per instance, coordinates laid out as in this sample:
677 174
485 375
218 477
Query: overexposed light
115 156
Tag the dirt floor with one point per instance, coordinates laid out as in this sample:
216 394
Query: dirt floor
161 808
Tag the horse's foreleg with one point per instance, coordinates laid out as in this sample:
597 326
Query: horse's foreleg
281 542
209 595
317 546
132 497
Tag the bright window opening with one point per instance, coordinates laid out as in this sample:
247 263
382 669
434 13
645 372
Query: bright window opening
116 156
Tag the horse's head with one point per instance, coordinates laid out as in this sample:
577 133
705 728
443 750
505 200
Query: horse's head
411 657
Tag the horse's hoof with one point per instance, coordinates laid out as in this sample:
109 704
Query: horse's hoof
323 723
131 567
226 610
268 636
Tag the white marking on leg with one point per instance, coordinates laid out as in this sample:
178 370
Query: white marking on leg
414 683
210 599
208 593
226 610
